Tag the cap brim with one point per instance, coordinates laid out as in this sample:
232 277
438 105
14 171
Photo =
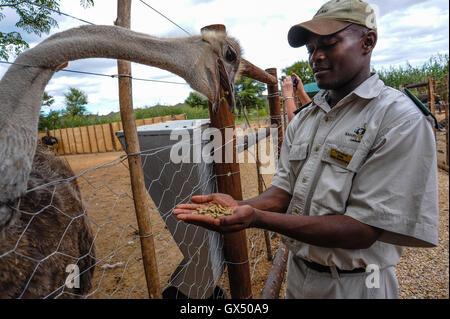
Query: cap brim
298 34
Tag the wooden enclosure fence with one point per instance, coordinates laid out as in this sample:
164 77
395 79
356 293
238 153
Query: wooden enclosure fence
436 91
99 138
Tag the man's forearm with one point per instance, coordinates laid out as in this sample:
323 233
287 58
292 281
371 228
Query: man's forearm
273 199
331 231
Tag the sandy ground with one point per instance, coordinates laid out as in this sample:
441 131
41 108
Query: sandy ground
106 191
107 195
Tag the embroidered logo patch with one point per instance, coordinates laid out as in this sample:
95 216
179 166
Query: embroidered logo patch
357 134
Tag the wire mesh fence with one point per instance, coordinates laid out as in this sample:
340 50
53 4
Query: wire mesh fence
76 235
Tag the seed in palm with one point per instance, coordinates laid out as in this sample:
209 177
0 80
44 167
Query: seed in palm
214 211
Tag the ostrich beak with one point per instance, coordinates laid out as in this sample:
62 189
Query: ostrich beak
226 84
222 81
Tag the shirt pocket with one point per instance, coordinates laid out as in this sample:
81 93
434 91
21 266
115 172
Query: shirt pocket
339 164
297 156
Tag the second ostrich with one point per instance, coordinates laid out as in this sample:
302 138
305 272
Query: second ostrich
43 225
50 142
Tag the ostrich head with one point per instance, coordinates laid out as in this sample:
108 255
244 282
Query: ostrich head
209 62
221 67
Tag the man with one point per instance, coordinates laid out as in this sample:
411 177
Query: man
357 176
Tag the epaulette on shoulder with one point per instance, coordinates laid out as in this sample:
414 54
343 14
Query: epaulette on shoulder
422 107
302 107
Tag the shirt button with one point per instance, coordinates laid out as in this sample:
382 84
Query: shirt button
326 119
298 211
317 148
304 180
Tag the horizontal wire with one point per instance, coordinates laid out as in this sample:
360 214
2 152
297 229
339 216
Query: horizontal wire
99 74
164 16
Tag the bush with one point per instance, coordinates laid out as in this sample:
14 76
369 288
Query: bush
437 66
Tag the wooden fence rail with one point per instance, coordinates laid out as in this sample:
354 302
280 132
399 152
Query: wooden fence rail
99 138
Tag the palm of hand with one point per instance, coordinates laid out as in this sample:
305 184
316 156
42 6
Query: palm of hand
184 212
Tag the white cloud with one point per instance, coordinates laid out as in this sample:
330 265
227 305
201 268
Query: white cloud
409 30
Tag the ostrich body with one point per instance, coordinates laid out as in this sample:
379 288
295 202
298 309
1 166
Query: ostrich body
51 233
45 230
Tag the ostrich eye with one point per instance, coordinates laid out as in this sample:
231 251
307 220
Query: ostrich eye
230 55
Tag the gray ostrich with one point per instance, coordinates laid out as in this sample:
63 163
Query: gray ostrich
43 228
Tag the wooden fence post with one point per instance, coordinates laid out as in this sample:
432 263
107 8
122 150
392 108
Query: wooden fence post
273 98
229 182
140 195
276 275
431 98
261 190
446 117
274 107
275 278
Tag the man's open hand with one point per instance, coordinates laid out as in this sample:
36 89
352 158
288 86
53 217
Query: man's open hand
243 216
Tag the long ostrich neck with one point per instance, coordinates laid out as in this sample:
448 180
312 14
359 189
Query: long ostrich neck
21 88
81 43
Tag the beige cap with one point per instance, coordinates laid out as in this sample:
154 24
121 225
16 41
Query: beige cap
332 17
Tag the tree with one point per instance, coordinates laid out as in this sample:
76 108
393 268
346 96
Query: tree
75 102
47 100
395 76
34 17
248 94
196 100
302 69
50 121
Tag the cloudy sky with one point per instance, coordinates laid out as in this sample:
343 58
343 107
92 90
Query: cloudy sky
409 30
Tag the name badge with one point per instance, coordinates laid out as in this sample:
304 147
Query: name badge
346 158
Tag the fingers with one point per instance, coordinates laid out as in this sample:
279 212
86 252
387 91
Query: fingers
287 87
190 206
287 81
202 198
224 224
300 83
178 211
186 208
221 225
199 220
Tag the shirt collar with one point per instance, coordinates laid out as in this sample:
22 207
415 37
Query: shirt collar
321 101
369 89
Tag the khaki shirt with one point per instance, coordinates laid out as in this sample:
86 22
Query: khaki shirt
371 157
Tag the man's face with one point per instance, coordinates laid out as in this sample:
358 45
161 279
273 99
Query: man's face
336 59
